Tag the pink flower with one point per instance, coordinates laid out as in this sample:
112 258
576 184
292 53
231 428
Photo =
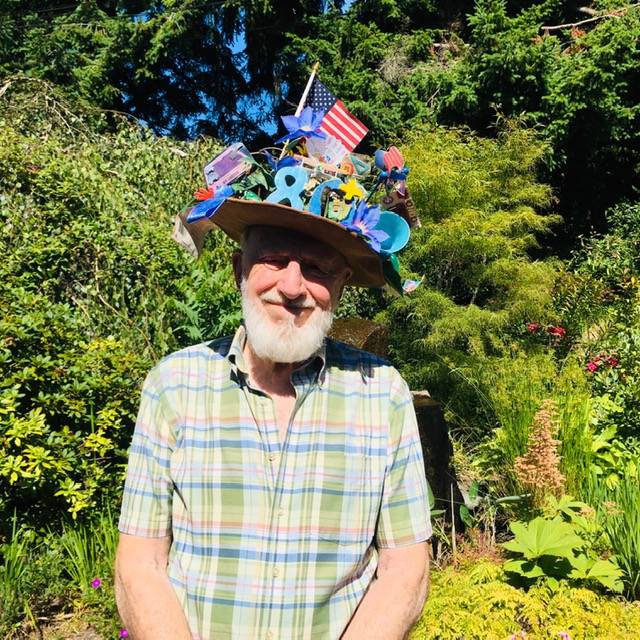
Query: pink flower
564 636
96 582
532 327
592 366
124 633
560 332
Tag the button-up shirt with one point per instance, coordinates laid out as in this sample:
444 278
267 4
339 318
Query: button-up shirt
274 540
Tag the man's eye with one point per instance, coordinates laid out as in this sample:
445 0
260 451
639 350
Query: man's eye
274 262
315 271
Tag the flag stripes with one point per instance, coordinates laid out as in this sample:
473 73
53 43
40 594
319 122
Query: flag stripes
337 121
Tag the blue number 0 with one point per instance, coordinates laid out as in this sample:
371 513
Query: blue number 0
315 204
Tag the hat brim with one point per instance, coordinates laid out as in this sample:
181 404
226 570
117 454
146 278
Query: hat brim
235 215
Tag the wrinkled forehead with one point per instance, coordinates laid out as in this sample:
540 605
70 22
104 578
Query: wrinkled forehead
260 239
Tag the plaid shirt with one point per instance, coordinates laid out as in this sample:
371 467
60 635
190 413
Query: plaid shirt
274 540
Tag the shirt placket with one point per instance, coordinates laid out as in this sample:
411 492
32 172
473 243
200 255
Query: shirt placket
282 505
275 454
262 409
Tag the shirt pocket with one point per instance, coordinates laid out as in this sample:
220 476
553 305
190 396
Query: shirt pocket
348 502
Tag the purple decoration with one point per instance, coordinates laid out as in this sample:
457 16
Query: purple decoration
307 125
363 220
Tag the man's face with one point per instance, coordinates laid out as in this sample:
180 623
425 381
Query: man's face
291 284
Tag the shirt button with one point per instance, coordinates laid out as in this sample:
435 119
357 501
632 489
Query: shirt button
270 635
276 572
272 457
280 513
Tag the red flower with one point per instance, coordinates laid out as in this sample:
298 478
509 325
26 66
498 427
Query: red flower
561 332
611 361
205 194
532 327
592 366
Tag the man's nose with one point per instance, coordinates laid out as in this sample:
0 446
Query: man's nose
291 283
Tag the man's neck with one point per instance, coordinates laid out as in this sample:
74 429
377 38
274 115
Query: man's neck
271 377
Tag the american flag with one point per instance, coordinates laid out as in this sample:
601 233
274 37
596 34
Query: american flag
337 121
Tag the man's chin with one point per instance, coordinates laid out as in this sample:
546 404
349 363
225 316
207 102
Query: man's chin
286 342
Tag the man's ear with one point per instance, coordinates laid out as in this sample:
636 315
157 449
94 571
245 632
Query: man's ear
236 259
345 280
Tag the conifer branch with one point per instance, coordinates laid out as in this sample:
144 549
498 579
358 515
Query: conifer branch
616 13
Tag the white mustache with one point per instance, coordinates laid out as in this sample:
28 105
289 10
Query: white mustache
276 299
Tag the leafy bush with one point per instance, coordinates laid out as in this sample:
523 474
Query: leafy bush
604 311
92 292
473 602
619 513
553 549
478 201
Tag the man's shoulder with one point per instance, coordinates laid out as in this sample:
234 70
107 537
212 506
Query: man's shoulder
198 356
342 353
346 358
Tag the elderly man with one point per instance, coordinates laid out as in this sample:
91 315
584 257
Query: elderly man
275 486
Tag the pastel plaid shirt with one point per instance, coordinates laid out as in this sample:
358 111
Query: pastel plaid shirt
274 540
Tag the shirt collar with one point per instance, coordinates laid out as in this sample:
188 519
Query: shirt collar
315 364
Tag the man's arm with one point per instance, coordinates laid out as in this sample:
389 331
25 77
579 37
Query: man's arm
395 598
147 603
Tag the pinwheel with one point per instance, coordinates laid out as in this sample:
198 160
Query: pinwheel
307 125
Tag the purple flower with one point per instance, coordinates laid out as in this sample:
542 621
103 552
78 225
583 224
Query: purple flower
96 582
307 125
124 633
363 220
207 208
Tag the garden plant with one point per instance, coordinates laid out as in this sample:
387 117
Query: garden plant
521 129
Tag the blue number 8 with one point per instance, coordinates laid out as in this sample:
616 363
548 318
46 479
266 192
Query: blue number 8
290 183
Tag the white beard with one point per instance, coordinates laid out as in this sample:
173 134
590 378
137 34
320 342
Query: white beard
284 341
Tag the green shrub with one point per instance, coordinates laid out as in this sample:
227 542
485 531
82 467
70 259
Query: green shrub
479 203
554 550
474 603
618 509
603 308
93 291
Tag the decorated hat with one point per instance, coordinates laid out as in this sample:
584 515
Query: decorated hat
314 184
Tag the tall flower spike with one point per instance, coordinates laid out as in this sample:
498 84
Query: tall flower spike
307 125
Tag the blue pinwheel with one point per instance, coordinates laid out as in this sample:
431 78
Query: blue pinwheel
363 220
275 163
207 208
307 125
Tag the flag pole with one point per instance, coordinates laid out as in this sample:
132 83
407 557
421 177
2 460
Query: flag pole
303 99
305 93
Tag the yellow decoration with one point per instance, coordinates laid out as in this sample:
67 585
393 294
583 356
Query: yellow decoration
352 190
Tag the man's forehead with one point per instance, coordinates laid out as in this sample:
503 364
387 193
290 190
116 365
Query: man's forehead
292 243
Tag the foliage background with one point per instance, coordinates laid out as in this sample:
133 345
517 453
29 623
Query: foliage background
524 148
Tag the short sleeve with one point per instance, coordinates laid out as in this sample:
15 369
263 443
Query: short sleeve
404 513
148 490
